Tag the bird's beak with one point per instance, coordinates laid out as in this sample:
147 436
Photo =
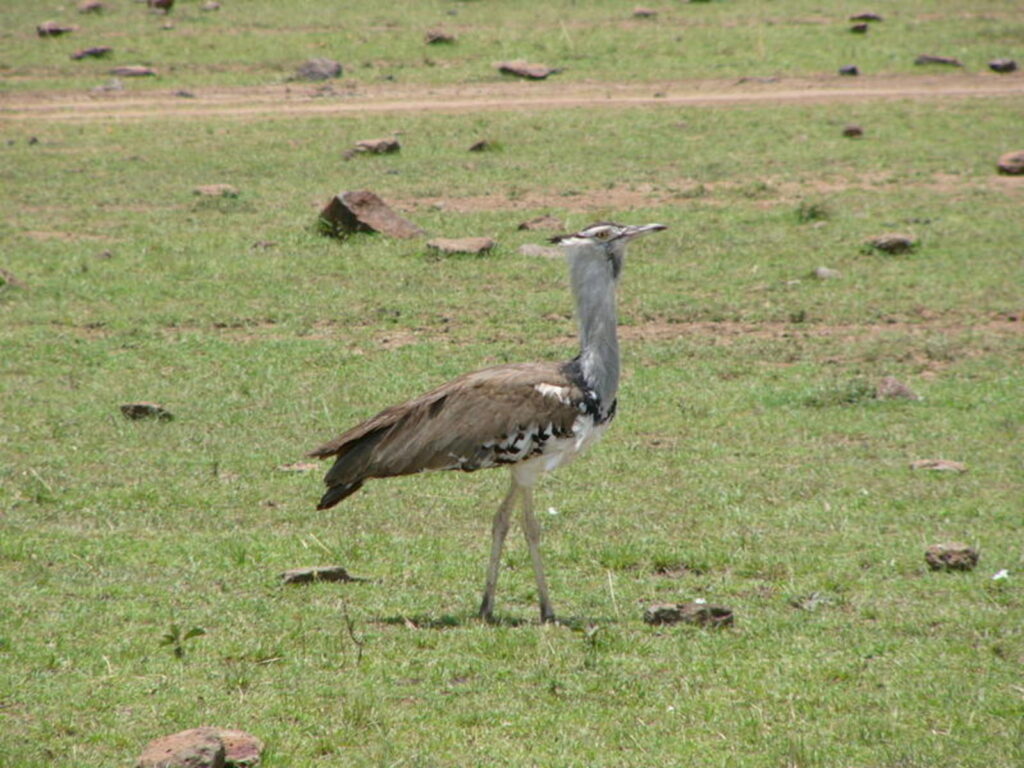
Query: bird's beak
640 230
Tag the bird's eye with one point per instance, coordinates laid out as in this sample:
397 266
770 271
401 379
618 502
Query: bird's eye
603 234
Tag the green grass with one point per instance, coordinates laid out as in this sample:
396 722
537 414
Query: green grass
748 466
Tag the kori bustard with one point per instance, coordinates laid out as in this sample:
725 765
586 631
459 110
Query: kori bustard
530 417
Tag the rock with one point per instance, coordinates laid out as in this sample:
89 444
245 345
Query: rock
8 280
110 86
183 94
378 146
318 69
216 190
951 557
438 37
1012 163
544 251
891 388
926 58
194 748
866 17
1003 66
481 146
133 71
53 29
859 29
893 242
849 70
689 613
241 749
471 245
824 273
853 131
362 211
96 52
939 465
644 13
161 5
210 5
545 222
316 573
521 68
143 410
91 6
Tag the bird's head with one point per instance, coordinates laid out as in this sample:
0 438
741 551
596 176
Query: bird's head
604 240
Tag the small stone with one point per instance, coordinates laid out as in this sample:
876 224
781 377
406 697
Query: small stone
644 13
1003 66
161 5
481 146
1012 163
689 613
143 410
133 71
96 52
825 273
545 222
111 86
183 94
438 37
53 29
859 29
849 70
951 557
866 17
316 573
318 69
891 388
210 5
471 245
194 748
893 242
91 6
363 211
216 190
853 131
525 69
927 58
378 146
543 251
939 465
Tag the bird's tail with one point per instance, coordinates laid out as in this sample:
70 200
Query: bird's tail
337 493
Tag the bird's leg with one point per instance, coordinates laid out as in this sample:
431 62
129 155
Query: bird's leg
532 530
498 530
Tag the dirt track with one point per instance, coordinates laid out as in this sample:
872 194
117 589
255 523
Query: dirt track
340 99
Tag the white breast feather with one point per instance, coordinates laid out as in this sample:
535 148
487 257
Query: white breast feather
561 394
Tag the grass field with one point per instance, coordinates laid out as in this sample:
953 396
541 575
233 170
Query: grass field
750 464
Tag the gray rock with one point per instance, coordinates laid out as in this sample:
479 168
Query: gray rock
1003 66
471 245
825 273
866 17
951 557
689 613
318 69
438 37
194 748
95 52
853 131
893 242
849 70
53 29
525 69
378 146
144 410
133 70
927 58
1012 163
316 573
362 211
891 388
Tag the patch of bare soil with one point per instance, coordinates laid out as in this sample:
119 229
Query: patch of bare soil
289 101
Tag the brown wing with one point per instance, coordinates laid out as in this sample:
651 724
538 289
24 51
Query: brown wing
470 423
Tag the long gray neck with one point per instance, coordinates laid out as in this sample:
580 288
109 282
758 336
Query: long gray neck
594 288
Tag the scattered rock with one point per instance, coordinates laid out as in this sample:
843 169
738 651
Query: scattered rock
481 146
859 29
318 69
824 273
853 131
110 86
299 466
891 388
262 245
1012 163
210 5
545 222
544 251
138 411
951 557
96 52
161 5
849 70
241 749
316 573
1003 66
53 29
91 6
644 13
216 190
866 17
893 242
521 68
194 748
8 280
689 613
378 146
134 70
438 37
183 94
939 465
926 58
470 245
362 211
